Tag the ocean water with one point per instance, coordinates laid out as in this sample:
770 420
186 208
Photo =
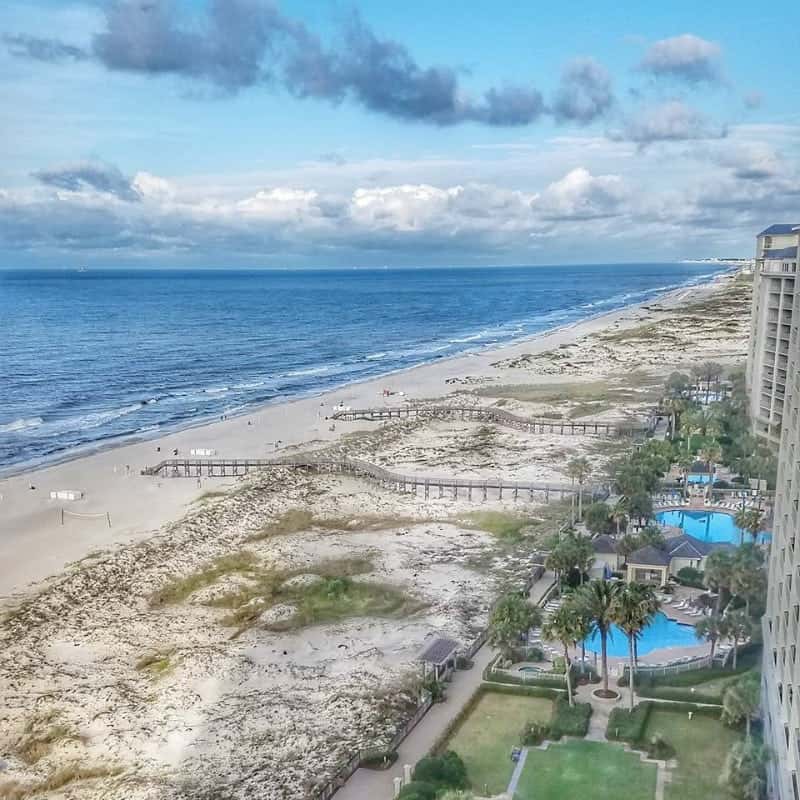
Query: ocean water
87 358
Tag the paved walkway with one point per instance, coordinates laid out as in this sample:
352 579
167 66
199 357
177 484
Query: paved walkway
518 767
367 784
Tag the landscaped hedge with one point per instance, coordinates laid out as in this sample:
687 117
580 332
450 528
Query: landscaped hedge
680 693
628 726
569 720
498 688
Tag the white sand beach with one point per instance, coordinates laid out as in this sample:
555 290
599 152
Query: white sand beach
128 658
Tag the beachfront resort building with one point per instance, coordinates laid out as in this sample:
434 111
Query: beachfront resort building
781 622
776 262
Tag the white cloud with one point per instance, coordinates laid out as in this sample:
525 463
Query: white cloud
579 195
687 58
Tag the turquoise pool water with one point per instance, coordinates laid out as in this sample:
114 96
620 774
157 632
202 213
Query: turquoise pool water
661 632
709 526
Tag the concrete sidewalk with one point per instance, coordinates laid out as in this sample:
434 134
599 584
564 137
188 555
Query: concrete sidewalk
366 784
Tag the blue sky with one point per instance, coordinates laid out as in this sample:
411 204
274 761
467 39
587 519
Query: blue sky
244 133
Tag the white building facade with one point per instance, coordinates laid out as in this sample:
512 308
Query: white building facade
773 303
774 372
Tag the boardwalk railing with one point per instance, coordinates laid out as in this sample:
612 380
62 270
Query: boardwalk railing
221 467
567 427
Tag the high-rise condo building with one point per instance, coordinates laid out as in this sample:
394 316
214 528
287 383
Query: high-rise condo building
773 298
774 381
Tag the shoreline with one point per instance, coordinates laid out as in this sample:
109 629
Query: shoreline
131 439
36 541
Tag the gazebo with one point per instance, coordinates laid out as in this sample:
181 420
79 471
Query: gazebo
648 564
441 655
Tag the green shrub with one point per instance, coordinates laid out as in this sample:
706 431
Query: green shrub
681 693
534 733
689 576
524 691
446 771
569 720
559 665
462 662
417 790
659 748
628 726
379 759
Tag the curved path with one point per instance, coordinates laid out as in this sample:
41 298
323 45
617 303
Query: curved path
498 416
224 467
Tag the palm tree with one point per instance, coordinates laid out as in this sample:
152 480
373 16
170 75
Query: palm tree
635 607
511 618
619 514
739 628
562 627
748 578
685 461
719 573
690 424
741 701
750 520
579 470
712 629
599 597
674 406
710 452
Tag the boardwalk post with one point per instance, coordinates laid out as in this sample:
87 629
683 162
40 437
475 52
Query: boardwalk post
441 491
469 491
500 487
516 492
484 492
427 488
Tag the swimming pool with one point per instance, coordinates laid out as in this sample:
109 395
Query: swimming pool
709 526
661 632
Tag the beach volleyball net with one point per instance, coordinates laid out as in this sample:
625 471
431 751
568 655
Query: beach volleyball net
103 515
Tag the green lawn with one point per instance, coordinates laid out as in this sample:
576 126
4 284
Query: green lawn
485 738
585 771
701 745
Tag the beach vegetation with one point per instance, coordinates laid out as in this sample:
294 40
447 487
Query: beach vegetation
56 780
156 664
744 775
298 520
41 733
322 592
243 562
513 616
502 524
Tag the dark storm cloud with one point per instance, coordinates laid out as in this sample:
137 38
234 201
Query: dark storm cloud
51 50
243 43
100 177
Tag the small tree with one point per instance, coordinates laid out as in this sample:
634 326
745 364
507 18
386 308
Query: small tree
741 701
562 627
744 775
711 629
579 470
619 515
512 617
719 573
748 577
598 518
739 626
635 607
749 520
600 600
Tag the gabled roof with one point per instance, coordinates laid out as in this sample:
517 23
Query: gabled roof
686 546
780 228
649 556
439 650
604 544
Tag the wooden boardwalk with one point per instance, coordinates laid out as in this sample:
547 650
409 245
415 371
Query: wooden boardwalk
498 416
468 487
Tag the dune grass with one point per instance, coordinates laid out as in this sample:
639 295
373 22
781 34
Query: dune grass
156 664
502 524
243 562
56 780
297 520
40 735
333 596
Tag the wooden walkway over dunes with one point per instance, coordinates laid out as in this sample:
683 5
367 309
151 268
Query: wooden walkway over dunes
567 427
452 487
